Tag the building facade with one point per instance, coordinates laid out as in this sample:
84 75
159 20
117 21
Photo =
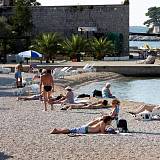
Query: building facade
84 20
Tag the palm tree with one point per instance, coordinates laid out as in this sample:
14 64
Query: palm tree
74 45
101 47
5 27
47 43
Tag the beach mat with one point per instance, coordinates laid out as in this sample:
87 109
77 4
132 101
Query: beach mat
78 134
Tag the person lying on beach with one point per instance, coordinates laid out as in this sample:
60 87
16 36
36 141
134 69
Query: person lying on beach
66 99
95 126
32 97
147 107
97 105
38 97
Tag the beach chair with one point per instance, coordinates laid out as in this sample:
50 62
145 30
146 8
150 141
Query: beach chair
156 113
55 73
62 72
90 68
68 71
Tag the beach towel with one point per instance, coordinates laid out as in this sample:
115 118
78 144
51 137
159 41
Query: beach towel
83 96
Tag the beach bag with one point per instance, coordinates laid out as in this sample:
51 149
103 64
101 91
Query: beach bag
122 125
83 96
97 93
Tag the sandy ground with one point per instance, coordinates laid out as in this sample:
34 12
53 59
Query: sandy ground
24 129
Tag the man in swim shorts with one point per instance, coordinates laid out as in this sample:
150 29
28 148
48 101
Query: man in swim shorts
46 86
95 126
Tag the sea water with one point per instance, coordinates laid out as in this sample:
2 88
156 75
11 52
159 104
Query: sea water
152 44
134 89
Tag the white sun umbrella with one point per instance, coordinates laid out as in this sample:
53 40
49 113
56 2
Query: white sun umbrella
30 54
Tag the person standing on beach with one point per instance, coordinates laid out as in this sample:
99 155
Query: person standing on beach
46 86
18 74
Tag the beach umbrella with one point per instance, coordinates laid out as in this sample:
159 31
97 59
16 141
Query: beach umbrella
30 54
145 47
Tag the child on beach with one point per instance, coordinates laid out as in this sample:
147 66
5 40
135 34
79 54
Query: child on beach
18 74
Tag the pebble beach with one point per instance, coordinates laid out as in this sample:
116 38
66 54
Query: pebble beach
25 128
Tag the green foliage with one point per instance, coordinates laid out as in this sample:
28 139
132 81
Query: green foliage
5 30
126 2
29 2
47 43
117 40
74 45
154 16
21 20
101 47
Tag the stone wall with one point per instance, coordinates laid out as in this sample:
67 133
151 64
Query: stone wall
67 19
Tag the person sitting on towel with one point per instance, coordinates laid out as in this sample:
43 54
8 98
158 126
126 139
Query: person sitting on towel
66 99
106 92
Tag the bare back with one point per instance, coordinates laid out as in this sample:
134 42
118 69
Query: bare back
98 127
47 80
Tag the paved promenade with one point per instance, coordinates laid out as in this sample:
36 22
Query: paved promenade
96 63
128 68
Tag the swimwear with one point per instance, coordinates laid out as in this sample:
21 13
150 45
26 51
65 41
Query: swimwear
18 74
82 130
47 88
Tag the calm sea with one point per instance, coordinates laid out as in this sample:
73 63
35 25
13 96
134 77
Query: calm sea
142 29
153 44
135 89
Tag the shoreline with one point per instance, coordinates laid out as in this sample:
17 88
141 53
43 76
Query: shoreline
25 130
82 79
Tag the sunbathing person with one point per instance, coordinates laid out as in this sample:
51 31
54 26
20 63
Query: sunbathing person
68 98
32 97
147 107
38 97
95 126
97 105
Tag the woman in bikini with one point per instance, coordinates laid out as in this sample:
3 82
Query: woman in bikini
97 105
46 86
